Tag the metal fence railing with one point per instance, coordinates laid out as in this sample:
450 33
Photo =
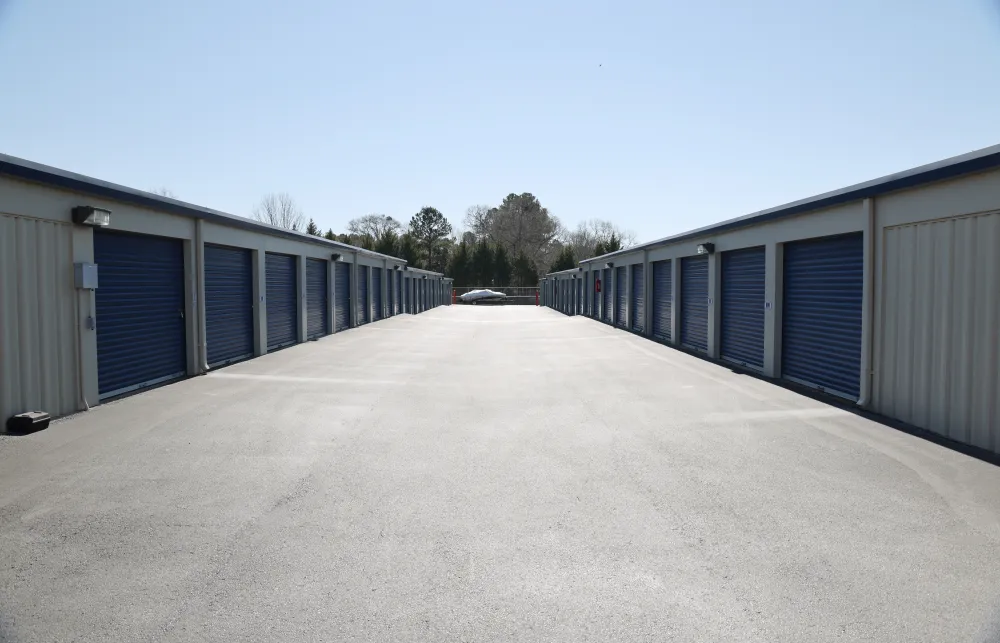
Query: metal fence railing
516 295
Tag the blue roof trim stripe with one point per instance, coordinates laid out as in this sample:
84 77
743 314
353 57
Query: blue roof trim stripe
38 173
977 161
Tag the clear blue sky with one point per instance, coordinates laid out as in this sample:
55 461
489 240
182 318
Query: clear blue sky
659 115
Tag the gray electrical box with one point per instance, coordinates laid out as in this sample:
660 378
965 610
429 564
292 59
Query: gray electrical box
85 275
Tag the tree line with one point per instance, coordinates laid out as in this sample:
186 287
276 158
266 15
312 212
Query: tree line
511 244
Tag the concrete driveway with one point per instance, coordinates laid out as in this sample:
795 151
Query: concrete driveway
490 474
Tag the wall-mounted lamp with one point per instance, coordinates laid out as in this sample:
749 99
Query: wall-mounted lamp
609 265
706 248
396 267
89 215
425 277
335 256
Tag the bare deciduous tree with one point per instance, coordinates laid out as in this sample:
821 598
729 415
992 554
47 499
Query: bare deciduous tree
164 191
376 226
280 210
478 220
520 224
591 234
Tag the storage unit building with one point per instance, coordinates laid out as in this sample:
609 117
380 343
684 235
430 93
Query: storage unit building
886 294
136 289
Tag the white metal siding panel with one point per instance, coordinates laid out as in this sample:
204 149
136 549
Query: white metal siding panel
938 366
38 343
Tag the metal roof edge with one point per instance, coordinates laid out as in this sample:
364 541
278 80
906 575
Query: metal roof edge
47 175
968 163
568 271
421 271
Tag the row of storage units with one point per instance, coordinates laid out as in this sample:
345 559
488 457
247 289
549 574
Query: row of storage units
158 289
886 294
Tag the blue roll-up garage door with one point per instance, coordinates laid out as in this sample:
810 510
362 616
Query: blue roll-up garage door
606 300
390 289
342 294
638 298
363 304
141 337
282 301
821 313
228 304
621 277
662 299
588 295
399 292
317 298
376 294
694 302
743 307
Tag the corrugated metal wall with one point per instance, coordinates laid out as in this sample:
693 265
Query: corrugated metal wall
38 344
939 362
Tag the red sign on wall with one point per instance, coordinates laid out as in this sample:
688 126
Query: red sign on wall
597 285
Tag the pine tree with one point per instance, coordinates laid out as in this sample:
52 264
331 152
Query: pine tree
565 260
459 267
482 264
524 271
313 229
502 268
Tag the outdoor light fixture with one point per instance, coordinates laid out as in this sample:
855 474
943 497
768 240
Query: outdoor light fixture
706 248
609 265
425 277
335 256
396 267
89 215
